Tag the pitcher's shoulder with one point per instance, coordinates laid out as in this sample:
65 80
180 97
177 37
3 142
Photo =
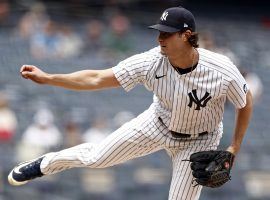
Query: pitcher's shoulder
211 55
213 59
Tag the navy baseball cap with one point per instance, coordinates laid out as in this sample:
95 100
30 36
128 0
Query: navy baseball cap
175 19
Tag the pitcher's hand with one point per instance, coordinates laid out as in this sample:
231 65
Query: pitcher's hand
34 73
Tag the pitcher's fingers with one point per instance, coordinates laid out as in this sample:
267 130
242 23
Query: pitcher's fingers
26 74
23 68
26 68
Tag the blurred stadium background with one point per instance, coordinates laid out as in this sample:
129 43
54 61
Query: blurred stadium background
70 35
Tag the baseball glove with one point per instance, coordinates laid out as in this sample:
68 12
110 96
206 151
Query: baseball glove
211 168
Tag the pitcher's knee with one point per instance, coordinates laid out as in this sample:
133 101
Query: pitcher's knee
90 157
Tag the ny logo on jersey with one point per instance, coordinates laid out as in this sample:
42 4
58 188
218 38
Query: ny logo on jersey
164 16
199 102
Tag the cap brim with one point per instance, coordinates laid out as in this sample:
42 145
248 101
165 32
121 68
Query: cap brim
164 28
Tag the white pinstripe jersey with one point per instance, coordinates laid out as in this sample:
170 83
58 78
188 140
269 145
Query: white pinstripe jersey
189 103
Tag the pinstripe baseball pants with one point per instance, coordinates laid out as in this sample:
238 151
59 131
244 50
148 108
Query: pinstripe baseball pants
141 136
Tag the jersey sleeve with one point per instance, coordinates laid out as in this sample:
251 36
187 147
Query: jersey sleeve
133 70
237 90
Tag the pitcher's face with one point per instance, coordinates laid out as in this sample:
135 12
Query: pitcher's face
171 43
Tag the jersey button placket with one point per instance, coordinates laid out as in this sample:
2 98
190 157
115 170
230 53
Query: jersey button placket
175 114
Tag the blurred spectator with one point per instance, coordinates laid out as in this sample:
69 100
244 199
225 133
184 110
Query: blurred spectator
72 135
41 136
94 36
118 40
8 120
4 12
266 22
98 131
44 44
122 117
255 85
69 44
33 21
207 41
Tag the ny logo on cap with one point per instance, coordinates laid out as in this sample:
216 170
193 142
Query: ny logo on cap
164 16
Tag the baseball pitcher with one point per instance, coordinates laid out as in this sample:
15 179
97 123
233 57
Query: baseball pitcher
190 87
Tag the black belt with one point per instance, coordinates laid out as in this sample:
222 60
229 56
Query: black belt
182 135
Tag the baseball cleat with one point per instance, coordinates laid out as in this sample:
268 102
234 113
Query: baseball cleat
25 171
